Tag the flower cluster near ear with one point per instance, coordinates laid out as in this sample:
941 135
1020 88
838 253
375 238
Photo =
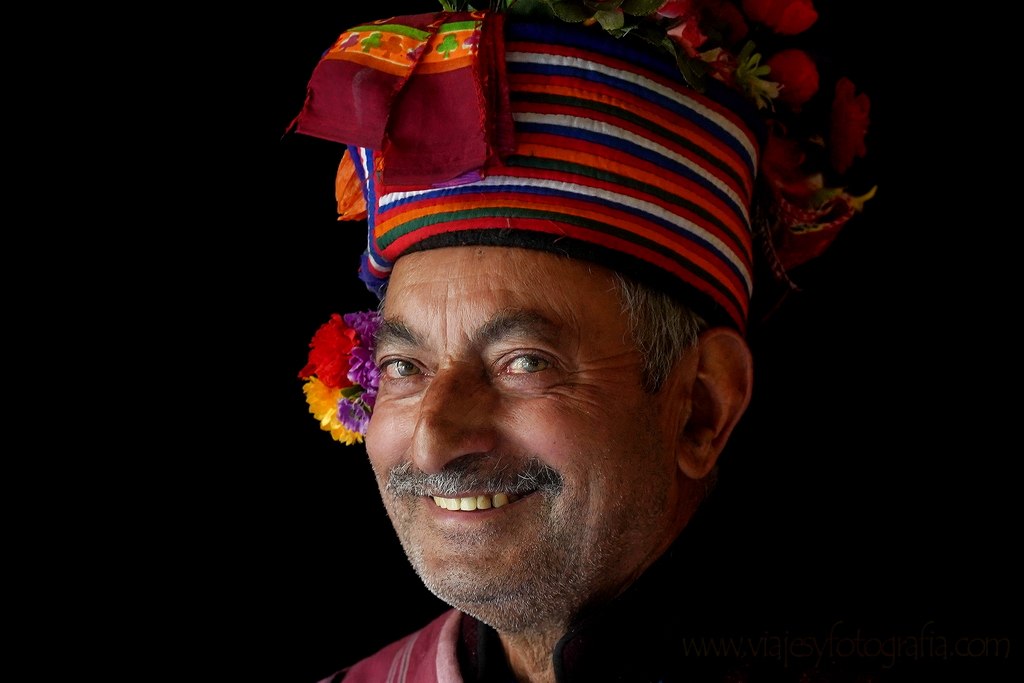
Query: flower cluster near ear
752 46
341 375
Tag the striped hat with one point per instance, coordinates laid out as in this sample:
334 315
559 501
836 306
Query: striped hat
481 129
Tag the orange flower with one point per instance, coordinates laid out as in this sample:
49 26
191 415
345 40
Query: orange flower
323 404
850 119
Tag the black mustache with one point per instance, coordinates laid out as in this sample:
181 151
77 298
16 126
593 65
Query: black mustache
476 473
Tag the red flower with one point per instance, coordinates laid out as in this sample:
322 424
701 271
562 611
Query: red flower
687 35
685 30
787 17
693 18
850 119
782 165
675 8
329 353
728 19
806 233
797 73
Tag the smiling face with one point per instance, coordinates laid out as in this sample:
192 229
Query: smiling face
523 466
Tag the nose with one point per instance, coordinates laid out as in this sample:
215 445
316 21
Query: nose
456 417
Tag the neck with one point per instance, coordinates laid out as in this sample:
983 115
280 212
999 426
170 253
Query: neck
530 654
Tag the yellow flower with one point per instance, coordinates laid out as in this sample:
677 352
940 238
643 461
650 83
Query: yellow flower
323 403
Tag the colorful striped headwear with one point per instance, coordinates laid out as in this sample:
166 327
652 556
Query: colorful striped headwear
477 128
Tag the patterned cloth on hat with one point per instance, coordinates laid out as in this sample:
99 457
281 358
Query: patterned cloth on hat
615 158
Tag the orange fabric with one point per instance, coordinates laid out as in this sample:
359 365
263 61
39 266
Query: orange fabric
349 191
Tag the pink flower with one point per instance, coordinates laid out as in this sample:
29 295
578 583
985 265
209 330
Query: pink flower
797 73
850 119
787 17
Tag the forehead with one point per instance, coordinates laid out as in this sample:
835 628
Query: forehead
473 284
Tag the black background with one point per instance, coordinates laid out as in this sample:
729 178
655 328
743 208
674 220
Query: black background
867 485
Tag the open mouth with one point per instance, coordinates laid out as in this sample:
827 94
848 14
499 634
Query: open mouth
471 503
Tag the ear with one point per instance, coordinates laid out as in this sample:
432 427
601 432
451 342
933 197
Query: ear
721 389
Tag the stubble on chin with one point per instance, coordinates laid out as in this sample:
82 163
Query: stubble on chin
529 584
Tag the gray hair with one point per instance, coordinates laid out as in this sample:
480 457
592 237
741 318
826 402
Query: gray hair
661 328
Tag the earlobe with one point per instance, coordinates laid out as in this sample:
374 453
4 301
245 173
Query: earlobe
720 392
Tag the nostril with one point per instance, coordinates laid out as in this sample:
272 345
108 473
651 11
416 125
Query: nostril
440 438
454 419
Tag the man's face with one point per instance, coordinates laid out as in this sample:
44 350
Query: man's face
510 390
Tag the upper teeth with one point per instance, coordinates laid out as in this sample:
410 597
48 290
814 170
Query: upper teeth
472 502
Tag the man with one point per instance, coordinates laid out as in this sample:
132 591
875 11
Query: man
528 472
565 230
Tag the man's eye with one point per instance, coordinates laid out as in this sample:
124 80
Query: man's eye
396 369
526 364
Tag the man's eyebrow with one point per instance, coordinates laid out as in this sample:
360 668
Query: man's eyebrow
502 326
393 332
517 323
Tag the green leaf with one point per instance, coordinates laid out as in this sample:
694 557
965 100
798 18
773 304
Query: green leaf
641 8
610 21
694 71
602 5
532 8
352 392
570 11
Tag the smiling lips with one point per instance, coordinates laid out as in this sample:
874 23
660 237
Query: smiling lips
470 503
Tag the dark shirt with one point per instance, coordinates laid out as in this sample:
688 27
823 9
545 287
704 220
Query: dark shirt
662 629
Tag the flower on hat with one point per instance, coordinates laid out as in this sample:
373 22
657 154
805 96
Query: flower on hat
785 17
710 39
804 160
797 75
849 125
750 46
341 376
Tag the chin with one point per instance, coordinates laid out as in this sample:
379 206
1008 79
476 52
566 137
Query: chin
510 601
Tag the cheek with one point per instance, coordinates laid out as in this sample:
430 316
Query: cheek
543 429
576 439
388 436
597 445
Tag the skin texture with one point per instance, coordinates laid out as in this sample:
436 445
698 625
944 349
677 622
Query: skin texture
489 378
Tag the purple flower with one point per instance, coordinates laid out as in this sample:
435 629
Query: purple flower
362 370
354 414
355 408
365 323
